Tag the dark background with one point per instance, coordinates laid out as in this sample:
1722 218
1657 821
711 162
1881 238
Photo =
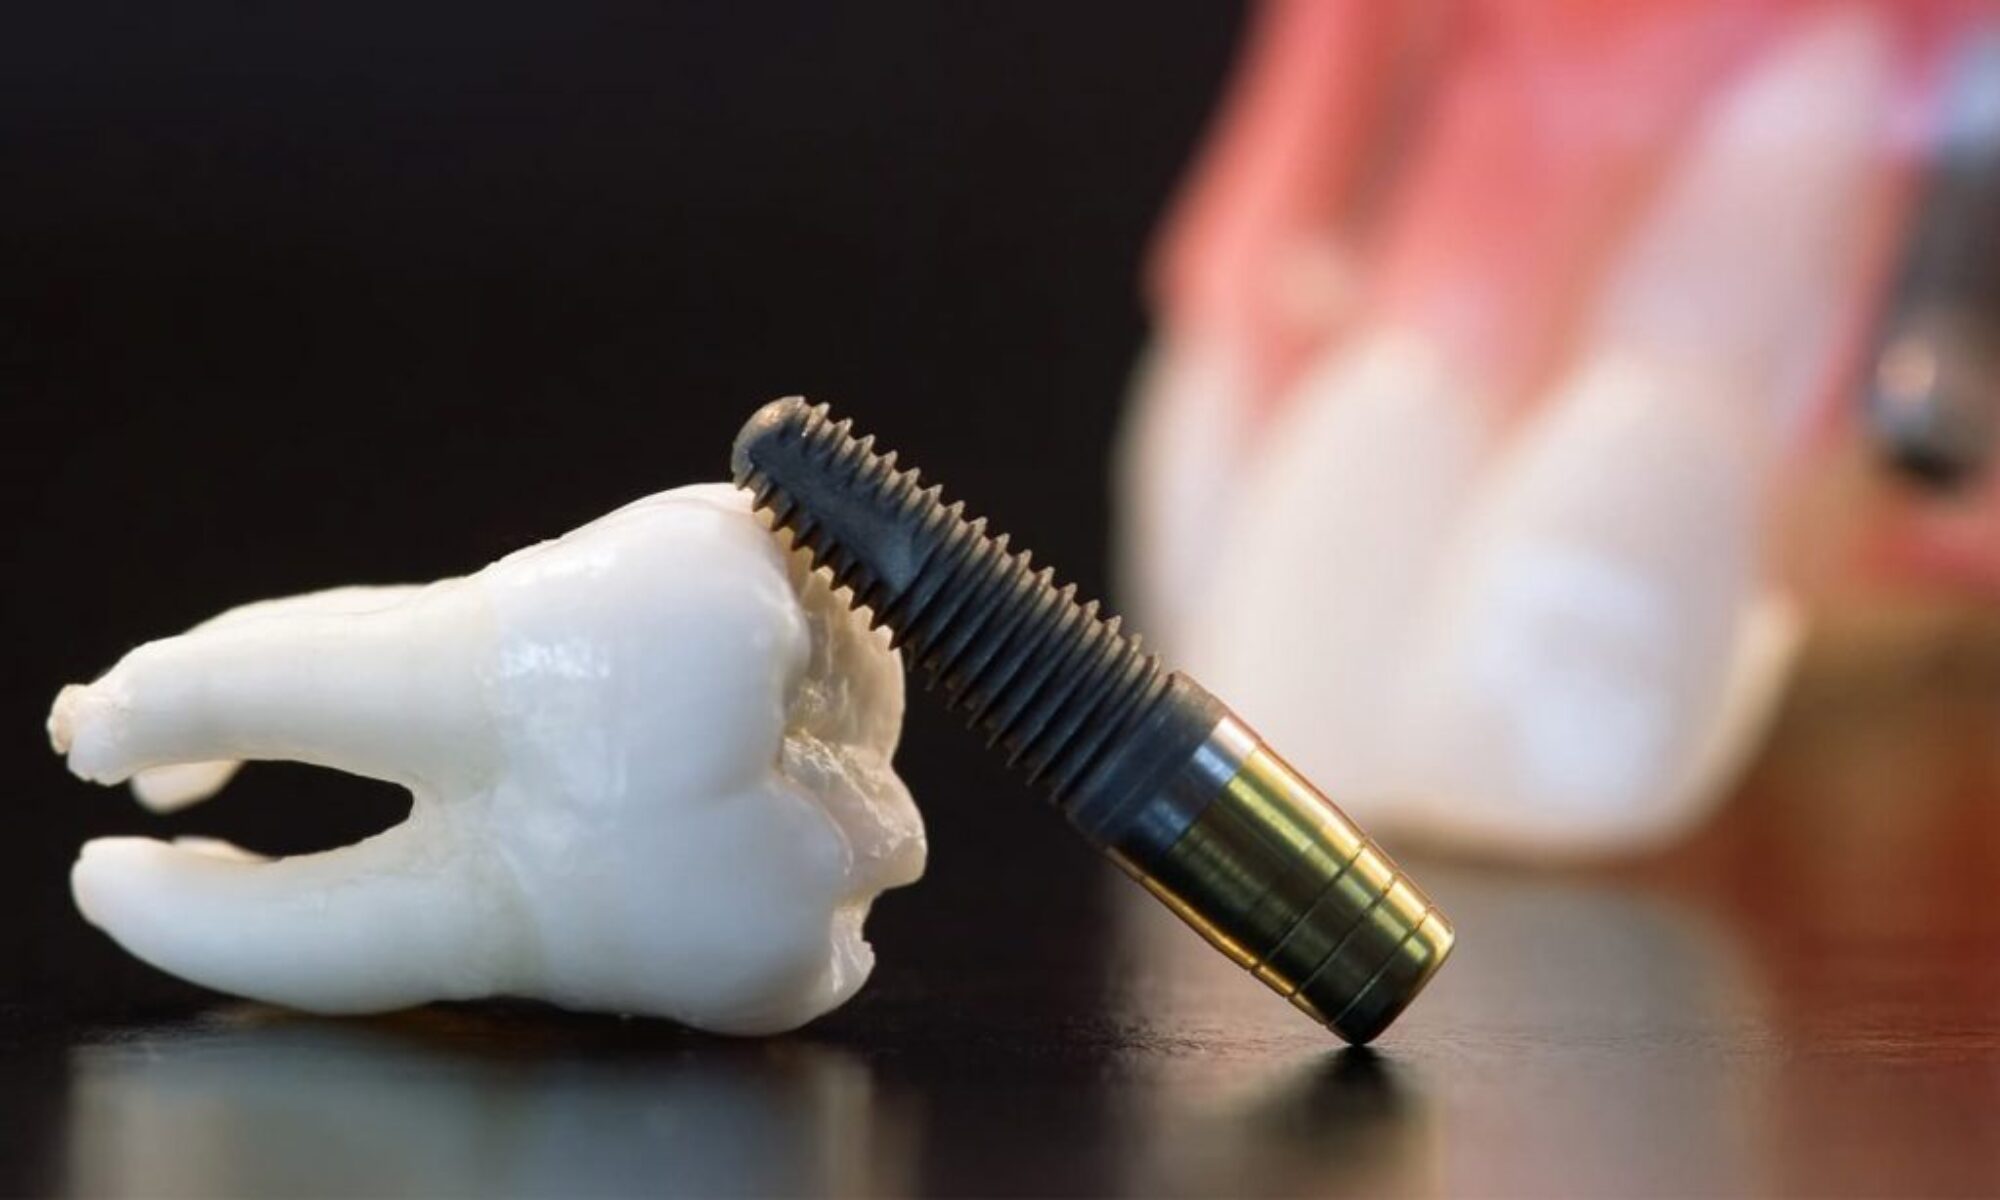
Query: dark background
297 295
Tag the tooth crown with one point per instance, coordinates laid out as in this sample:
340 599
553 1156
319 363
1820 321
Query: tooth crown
650 770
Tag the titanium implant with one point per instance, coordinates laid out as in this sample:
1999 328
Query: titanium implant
1148 766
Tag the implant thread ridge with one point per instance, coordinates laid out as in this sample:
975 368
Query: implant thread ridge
1043 677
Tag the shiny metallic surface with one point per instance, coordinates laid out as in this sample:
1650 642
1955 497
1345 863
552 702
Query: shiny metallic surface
1165 817
1275 876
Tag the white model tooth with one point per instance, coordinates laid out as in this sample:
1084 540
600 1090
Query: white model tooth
1178 478
1588 630
1606 637
650 770
1319 580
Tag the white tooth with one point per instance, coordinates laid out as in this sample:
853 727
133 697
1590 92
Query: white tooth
650 764
1319 579
1177 478
1584 637
1605 640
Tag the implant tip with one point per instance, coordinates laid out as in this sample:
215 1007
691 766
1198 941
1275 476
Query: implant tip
764 427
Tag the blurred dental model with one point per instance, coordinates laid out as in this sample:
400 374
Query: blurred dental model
1494 559
649 764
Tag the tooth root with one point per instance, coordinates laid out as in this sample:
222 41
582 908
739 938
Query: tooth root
380 693
217 848
178 785
386 923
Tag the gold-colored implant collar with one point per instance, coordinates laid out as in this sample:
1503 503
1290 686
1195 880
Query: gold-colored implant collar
1276 877
1142 761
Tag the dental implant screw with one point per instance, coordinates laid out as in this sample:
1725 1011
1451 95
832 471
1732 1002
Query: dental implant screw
1146 765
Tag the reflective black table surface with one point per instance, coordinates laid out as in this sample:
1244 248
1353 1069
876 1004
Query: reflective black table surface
1805 1000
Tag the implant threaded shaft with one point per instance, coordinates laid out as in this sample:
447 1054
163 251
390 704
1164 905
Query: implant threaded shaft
1043 677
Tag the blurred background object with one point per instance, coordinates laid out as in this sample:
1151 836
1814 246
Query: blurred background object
1502 428
1936 383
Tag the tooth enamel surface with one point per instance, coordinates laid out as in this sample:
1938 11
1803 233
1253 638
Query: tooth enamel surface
649 764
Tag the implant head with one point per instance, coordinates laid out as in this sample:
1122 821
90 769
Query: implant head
1145 764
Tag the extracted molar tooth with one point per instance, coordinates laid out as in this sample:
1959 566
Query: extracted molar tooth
649 763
